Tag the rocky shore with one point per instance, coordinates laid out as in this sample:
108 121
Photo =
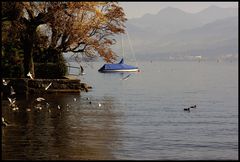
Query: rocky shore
25 86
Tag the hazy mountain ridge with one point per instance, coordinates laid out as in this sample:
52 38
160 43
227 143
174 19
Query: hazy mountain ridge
211 32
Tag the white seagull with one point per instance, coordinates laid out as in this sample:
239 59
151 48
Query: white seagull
39 99
81 72
48 86
5 82
12 101
30 75
12 91
4 122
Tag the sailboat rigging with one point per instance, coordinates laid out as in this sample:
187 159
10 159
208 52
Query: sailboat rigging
119 67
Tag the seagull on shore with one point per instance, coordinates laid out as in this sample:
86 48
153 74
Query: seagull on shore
30 75
48 86
99 105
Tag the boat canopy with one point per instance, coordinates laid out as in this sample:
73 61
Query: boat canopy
117 67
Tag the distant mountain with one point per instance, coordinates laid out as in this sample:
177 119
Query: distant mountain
173 32
215 38
170 20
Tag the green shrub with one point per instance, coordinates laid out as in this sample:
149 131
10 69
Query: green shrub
12 71
50 70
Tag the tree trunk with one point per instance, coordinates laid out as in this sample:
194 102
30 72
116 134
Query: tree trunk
28 52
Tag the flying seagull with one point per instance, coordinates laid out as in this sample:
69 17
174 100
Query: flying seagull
125 78
30 75
12 101
48 86
81 72
12 91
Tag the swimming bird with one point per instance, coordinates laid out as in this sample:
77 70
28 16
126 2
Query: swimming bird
194 106
38 107
187 109
46 88
28 109
15 108
30 75
39 99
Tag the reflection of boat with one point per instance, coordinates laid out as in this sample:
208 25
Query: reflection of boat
119 67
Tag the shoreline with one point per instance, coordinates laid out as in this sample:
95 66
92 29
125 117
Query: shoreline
25 86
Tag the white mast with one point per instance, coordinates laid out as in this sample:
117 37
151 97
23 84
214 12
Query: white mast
122 46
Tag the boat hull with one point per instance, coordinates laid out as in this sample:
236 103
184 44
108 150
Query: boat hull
119 67
119 70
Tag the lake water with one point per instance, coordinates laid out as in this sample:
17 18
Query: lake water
140 118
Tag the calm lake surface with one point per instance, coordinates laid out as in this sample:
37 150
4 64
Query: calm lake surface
139 118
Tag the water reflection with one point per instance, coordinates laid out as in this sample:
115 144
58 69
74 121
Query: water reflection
67 127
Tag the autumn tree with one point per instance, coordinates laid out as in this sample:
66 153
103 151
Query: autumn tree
87 28
12 53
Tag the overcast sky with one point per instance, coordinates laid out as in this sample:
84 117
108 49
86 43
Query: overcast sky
138 9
